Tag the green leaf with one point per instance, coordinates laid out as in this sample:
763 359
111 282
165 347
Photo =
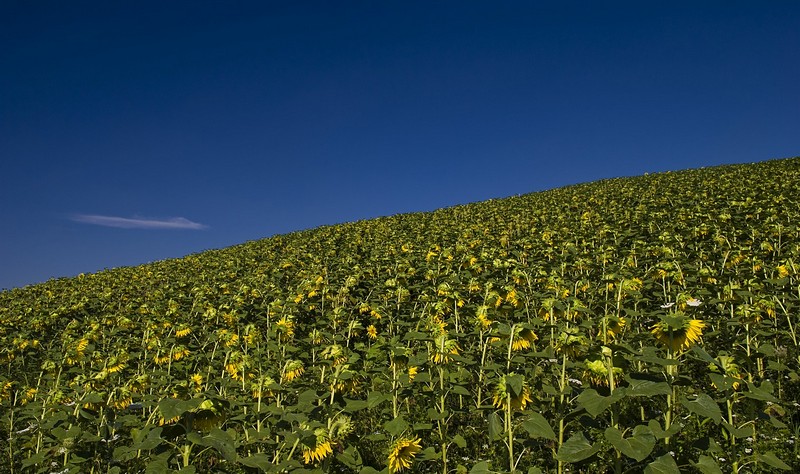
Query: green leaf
350 457
772 460
595 404
375 398
495 427
647 388
460 441
704 406
722 382
514 383
638 447
258 460
576 449
429 454
761 393
655 428
352 406
171 407
537 426
481 468
663 465
37 458
222 441
396 426
151 440
707 465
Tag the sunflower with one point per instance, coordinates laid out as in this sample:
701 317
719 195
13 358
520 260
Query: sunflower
372 332
321 449
615 326
729 368
597 372
522 338
197 381
678 332
500 396
402 453
444 350
412 372
292 370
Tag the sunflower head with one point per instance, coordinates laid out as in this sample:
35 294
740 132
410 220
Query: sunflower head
614 326
514 389
597 372
572 343
523 338
443 350
402 453
319 448
292 370
677 332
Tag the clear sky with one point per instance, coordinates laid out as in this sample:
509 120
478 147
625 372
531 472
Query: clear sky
138 131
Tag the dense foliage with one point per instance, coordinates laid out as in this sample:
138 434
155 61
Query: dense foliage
627 325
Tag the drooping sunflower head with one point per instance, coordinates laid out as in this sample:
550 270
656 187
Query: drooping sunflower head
614 326
677 332
597 372
320 448
523 338
292 370
482 320
513 389
572 343
335 353
443 350
402 453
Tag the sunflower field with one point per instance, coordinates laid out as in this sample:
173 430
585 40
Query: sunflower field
645 324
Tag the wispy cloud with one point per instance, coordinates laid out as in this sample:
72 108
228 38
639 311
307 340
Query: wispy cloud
137 223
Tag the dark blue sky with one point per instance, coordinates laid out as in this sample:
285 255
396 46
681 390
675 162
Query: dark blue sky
158 129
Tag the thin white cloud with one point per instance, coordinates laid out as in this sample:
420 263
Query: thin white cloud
137 223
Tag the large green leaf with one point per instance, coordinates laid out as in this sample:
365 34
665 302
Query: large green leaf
770 459
703 406
537 427
495 427
576 449
707 465
638 447
595 404
663 465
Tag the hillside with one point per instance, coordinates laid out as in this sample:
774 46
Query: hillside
631 323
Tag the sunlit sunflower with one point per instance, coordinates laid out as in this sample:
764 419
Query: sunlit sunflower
678 332
285 329
500 395
372 332
482 320
321 449
197 381
523 338
402 453
444 349
412 372
597 372
292 370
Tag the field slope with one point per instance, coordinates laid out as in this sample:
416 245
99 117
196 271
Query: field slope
626 325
